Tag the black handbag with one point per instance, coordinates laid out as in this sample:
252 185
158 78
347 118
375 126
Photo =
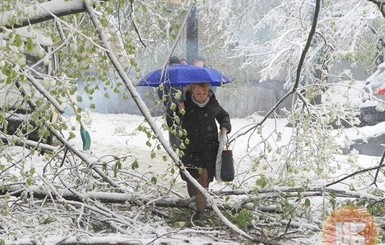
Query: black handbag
227 169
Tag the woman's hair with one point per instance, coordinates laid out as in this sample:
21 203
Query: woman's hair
203 85
174 60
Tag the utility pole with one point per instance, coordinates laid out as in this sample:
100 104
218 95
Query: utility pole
192 36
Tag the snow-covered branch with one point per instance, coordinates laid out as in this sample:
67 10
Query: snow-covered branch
40 12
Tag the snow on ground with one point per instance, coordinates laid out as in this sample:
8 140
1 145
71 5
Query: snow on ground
118 134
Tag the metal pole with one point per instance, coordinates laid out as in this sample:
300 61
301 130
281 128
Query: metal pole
192 36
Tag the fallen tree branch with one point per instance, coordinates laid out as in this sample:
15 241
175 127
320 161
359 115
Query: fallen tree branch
120 239
75 199
38 13
37 192
44 92
355 173
59 137
132 197
293 191
137 199
30 143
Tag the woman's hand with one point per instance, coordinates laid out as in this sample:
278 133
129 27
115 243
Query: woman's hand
224 130
181 108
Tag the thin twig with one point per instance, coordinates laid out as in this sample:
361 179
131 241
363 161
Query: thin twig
355 173
378 169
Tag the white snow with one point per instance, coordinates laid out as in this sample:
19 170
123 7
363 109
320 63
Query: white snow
117 134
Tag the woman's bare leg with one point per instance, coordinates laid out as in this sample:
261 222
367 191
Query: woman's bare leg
201 199
191 189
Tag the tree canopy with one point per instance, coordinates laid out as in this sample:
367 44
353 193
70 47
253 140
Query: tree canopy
50 48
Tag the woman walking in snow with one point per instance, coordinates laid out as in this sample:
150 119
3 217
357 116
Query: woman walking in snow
201 114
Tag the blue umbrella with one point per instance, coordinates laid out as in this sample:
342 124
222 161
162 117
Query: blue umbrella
179 75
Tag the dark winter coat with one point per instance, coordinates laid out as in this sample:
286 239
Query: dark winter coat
202 132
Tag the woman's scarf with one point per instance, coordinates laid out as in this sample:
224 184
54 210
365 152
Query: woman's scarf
201 104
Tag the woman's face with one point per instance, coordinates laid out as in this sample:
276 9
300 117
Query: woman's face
200 94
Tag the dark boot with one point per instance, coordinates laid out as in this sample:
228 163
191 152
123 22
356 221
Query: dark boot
198 218
198 215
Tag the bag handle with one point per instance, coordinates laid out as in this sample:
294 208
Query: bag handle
224 138
227 144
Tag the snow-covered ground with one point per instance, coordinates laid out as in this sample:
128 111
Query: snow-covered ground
118 135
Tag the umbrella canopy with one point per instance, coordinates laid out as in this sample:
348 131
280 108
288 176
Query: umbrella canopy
179 75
